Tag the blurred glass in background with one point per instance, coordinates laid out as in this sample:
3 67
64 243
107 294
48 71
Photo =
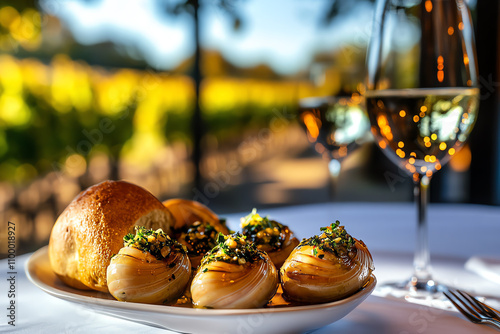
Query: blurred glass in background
106 89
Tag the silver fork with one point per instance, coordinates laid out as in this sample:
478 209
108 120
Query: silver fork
473 309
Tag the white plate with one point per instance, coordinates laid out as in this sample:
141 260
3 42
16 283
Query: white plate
292 319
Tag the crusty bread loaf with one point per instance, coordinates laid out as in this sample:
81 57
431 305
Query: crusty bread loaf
91 229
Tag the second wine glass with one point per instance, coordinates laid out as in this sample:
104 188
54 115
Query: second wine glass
422 100
337 125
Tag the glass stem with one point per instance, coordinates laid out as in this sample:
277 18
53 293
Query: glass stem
421 261
334 168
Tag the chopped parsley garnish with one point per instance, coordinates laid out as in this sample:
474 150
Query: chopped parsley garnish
263 231
156 242
233 249
198 238
334 239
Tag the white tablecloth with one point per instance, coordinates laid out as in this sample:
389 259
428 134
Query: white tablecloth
456 233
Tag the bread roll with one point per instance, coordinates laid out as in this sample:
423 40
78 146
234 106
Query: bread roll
187 212
91 229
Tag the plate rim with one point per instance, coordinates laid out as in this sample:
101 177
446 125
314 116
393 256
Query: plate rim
31 263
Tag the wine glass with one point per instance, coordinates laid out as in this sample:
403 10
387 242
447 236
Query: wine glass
422 100
337 125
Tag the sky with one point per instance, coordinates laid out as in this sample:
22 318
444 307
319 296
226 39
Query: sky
284 34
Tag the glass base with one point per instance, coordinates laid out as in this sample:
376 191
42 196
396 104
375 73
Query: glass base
418 291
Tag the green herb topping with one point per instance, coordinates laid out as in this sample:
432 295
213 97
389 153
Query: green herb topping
334 239
198 238
233 249
156 242
263 231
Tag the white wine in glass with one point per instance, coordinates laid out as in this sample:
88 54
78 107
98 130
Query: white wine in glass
421 129
422 100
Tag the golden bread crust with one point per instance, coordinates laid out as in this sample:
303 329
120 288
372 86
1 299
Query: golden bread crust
187 212
91 229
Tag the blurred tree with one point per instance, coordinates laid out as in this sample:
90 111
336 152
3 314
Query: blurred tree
20 24
338 8
198 127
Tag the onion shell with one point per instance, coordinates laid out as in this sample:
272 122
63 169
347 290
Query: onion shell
137 276
311 278
220 284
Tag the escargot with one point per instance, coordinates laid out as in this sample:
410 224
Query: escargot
150 268
198 238
196 227
270 236
327 267
234 274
